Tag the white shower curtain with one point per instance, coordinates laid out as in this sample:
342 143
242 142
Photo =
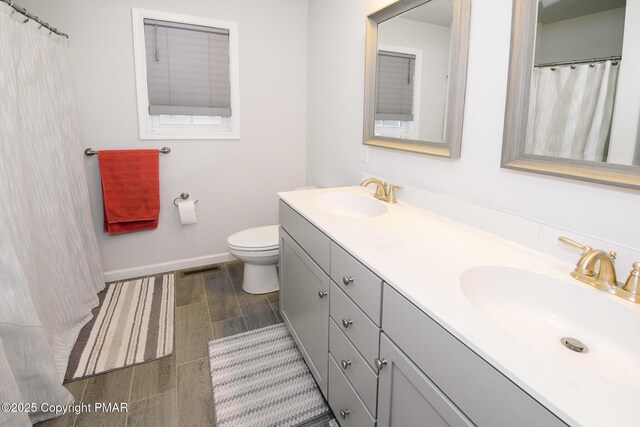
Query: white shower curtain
50 268
570 111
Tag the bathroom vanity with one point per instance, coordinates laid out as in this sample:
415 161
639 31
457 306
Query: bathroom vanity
373 296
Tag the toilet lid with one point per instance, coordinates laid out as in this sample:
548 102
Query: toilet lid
258 238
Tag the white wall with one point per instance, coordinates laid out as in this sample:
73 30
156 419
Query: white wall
625 135
336 81
589 36
433 43
235 181
335 89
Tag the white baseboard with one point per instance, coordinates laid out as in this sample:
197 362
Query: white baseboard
145 270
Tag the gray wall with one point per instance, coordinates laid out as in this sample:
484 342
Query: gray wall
235 181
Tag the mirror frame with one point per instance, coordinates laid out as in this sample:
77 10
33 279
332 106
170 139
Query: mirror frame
459 49
521 61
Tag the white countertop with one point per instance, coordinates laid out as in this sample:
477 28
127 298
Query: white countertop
422 255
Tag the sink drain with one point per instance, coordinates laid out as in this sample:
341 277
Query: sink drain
574 344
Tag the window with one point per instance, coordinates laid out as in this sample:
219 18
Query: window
397 104
394 91
186 76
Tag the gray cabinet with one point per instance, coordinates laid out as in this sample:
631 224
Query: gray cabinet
430 378
354 339
360 330
304 305
357 281
349 409
363 379
313 241
485 395
408 398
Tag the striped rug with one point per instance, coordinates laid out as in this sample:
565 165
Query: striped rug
259 378
134 325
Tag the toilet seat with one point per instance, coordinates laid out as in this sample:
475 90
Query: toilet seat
258 239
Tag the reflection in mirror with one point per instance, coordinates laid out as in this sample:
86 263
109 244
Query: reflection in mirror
412 71
573 98
416 75
578 50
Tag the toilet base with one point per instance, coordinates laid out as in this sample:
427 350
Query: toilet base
260 279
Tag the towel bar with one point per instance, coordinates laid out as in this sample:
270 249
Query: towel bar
92 152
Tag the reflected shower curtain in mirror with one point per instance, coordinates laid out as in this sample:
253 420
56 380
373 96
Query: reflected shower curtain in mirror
570 111
50 267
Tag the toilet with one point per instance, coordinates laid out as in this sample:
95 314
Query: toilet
258 249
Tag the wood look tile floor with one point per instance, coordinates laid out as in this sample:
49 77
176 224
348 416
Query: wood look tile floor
176 390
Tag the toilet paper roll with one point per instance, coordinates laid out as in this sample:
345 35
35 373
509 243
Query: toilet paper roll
187 212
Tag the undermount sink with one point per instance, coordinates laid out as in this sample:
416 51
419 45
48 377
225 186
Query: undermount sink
349 204
540 311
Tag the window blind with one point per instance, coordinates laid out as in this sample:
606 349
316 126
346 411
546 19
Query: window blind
394 86
187 69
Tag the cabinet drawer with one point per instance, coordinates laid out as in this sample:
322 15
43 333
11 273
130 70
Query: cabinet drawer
312 240
360 283
486 396
354 367
345 403
360 330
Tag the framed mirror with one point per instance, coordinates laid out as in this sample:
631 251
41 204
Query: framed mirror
415 76
573 96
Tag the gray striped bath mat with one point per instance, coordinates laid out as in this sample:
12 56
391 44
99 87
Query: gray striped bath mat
134 325
259 378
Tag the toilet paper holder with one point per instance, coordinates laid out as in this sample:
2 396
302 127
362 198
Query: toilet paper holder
183 196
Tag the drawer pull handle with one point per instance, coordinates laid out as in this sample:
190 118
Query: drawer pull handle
322 294
346 364
347 280
346 323
344 413
381 363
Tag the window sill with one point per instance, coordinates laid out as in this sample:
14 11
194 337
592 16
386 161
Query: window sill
189 135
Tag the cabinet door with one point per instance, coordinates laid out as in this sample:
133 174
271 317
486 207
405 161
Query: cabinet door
304 305
407 397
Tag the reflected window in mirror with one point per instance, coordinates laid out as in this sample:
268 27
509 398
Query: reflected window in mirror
395 89
573 99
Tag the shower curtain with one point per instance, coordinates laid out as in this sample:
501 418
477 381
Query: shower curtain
571 110
50 268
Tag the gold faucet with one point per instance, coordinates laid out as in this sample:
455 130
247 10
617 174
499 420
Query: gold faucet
384 192
632 285
596 268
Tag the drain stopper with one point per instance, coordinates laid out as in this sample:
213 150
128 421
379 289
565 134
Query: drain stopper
574 344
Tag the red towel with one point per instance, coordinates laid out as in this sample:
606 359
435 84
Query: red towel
130 190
